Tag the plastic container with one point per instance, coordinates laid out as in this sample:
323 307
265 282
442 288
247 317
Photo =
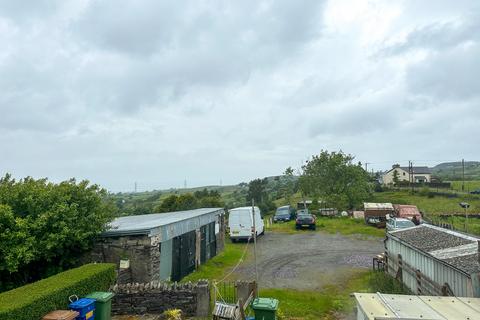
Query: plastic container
61 315
85 307
265 308
103 304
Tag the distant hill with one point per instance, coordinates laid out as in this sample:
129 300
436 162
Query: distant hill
232 195
453 170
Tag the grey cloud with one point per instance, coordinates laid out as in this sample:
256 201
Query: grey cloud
452 74
439 35
154 92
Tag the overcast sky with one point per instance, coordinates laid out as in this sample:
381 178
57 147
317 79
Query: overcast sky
161 91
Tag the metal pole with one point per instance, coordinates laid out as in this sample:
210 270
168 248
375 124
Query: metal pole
255 242
466 218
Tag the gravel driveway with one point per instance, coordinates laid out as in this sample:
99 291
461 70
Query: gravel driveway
308 260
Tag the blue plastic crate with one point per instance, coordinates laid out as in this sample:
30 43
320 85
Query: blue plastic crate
85 307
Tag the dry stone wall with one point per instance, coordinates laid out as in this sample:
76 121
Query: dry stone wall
155 297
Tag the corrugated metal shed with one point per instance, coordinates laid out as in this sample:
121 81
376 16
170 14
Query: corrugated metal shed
377 206
406 211
441 255
371 306
165 225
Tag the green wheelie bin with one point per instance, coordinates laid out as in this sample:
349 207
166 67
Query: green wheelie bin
103 304
265 308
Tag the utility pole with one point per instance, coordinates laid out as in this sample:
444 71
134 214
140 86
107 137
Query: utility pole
463 175
135 187
410 174
185 183
366 166
255 244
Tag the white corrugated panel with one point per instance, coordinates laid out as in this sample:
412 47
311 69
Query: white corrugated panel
430 267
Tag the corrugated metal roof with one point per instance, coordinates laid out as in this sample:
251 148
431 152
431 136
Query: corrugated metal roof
151 224
457 249
392 306
377 206
404 210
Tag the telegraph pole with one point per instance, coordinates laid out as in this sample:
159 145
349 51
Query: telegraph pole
255 243
135 186
463 175
366 166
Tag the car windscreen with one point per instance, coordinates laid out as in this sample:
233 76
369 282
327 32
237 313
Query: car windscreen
304 216
282 212
405 224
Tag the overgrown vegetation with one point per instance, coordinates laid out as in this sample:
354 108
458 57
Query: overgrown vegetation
46 227
37 299
342 225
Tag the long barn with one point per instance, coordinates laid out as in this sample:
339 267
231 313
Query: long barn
435 261
163 246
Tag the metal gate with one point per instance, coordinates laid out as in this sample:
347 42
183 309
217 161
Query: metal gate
183 260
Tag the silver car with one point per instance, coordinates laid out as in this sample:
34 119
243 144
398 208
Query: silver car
399 223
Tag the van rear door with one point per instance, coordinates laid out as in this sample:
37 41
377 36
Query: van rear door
240 223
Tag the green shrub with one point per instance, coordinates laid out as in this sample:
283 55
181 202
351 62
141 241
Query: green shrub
33 301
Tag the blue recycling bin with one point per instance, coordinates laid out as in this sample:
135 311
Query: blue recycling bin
85 307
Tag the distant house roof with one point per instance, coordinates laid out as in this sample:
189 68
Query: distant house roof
415 170
167 225
457 249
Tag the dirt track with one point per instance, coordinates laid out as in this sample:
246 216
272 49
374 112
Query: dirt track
309 260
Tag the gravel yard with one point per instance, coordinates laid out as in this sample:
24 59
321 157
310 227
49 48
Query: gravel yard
309 260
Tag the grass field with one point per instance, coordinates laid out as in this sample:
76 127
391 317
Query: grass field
434 205
342 225
469 185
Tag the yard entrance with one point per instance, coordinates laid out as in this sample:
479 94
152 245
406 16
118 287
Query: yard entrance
309 260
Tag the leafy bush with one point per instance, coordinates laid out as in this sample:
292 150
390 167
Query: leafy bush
45 227
34 300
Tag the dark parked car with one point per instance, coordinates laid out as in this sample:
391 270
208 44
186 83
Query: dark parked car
285 213
305 220
475 191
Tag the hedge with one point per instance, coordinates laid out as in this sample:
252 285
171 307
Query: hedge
33 301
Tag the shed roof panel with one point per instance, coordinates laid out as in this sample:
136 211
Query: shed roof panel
147 223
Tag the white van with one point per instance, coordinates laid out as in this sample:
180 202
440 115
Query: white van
240 223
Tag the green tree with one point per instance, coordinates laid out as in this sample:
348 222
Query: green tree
289 185
186 201
257 190
396 178
46 227
334 178
168 205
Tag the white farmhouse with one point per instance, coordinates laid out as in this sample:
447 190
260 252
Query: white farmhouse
417 174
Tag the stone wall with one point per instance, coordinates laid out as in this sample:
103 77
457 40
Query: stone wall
156 297
144 258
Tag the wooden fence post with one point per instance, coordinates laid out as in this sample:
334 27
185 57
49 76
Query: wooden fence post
418 275
399 275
